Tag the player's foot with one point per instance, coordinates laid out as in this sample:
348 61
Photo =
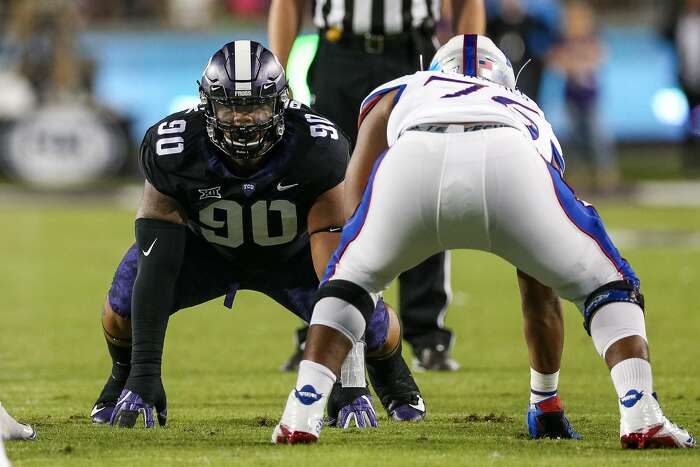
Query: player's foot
302 419
434 359
644 426
546 419
102 412
396 388
407 410
11 429
351 407
104 405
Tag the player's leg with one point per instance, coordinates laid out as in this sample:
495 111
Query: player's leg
544 334
294 286
11 429
392 230
424 295
194 287
338 100
116 328
539 225
388 372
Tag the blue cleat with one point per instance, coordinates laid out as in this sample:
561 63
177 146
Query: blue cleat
546 419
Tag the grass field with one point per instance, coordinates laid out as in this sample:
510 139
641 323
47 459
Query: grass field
225 391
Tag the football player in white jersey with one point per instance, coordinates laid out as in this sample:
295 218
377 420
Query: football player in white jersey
455 157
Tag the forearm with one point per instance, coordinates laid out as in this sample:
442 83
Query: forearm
283 24
323 245
469 16
161 246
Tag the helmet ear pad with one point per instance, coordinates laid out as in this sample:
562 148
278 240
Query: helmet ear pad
244 75
474 55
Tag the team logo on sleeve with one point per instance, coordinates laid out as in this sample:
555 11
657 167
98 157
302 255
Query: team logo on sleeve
213 192
307 395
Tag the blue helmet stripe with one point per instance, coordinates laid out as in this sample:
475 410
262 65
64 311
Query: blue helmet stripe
469 54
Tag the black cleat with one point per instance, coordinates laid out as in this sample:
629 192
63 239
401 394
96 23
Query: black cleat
434 359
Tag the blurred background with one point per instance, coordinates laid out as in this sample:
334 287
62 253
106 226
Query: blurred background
81 81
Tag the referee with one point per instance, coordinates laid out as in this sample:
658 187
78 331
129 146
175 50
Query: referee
362 44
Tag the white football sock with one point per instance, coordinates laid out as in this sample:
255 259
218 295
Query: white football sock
316 375
630 376
542 385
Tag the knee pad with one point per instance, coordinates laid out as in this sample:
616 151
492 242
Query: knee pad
343 306
616 291
615 321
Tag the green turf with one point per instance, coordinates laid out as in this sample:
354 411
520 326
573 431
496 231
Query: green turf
225 391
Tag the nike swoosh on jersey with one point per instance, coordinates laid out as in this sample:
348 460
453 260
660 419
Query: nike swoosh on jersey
281 187
148 252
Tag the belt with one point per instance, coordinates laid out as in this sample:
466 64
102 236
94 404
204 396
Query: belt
456 127
374 44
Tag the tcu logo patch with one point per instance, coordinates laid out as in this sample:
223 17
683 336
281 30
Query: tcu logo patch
248 189
213 192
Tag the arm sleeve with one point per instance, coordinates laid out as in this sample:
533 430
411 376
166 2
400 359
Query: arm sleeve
161 246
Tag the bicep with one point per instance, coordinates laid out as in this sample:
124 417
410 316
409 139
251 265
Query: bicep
156 205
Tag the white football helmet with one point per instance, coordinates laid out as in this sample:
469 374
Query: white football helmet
474 55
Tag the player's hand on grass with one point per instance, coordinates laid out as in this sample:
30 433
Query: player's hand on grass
351 407
131 406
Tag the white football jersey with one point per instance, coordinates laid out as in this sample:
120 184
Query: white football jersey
437 97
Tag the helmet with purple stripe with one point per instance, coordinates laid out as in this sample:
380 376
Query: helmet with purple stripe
474 55
244 92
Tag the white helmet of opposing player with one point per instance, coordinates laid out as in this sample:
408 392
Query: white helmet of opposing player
474 55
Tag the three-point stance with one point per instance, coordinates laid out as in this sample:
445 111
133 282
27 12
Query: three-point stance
472 163
244 192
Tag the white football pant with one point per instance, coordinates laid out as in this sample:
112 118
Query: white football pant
487 190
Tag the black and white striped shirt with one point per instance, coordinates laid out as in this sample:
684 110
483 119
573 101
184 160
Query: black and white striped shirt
375 16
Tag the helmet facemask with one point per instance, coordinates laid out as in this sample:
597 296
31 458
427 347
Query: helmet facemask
245 128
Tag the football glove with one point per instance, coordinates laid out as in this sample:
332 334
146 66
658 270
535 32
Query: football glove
131 406
351 407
